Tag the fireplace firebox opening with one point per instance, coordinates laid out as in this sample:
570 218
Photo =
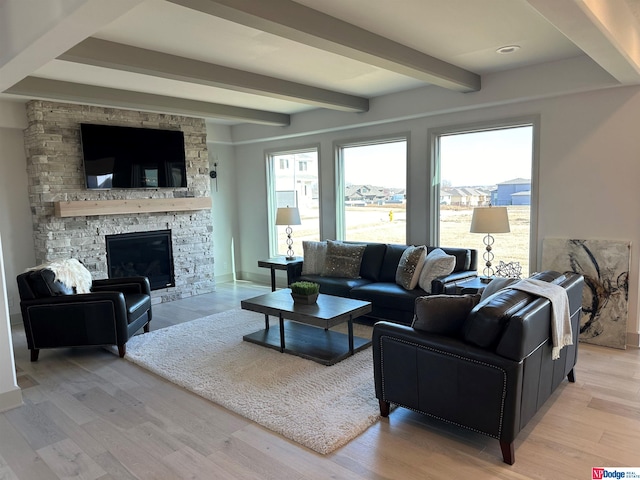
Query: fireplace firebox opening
145 253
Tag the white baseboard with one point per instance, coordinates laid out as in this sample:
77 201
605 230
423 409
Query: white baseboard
265 279
10 399
224 278
15 318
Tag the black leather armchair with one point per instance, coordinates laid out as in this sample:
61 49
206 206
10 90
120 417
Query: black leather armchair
54 316
493 376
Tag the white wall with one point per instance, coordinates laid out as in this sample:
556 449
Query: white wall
15 216
224 212
589 169
224 201
10 393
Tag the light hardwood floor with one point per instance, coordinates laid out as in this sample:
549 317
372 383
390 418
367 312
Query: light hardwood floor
88 414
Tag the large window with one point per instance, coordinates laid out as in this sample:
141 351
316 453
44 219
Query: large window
372 191
481 168
293 182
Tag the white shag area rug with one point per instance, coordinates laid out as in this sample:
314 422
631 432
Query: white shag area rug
320 407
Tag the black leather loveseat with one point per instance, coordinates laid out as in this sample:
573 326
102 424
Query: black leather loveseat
377 281
492 375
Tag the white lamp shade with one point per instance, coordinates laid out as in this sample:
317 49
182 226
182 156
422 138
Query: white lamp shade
490 220
288 216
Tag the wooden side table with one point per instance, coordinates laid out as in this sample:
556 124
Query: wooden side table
292 267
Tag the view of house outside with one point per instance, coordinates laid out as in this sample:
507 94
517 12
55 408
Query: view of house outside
295 179
375 183
484 168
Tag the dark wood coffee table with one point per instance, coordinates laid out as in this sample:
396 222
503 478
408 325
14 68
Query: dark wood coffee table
305 329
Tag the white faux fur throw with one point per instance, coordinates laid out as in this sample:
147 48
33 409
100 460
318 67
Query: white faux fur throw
70 272
560 316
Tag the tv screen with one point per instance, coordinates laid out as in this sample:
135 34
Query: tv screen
129 157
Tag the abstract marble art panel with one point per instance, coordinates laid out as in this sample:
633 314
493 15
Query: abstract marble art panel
605 267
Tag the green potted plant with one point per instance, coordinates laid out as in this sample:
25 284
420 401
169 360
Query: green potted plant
305 292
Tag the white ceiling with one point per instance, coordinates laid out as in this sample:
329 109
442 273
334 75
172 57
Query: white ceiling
223 46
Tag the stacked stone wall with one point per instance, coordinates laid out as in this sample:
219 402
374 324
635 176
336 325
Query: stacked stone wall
55 173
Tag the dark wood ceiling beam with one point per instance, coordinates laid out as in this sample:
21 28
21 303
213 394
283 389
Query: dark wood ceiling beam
34 87
113 55
302 24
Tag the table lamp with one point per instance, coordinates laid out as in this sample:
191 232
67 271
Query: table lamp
489 220
288 216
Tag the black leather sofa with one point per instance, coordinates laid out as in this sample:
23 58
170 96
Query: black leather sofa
494 389
377 282
54 316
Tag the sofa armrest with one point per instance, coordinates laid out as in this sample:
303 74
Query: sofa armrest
447 379
80 319
294 272
447 283
137 284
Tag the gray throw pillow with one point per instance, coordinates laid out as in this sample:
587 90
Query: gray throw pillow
443 314
314 256
342 260
410 267
436 264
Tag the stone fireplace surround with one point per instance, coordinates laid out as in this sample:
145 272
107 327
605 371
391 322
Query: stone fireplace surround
55 174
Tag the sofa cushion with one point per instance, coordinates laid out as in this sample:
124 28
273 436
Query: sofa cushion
550 276
314 256
392 256
410 267
387 295
342 260
43 283
436 264
137 304
443 314
338 286
495 285
485 323
372 261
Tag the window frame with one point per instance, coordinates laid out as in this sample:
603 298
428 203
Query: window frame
433 136
271 174
340 183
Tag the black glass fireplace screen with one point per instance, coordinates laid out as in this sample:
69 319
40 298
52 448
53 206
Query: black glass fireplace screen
148 254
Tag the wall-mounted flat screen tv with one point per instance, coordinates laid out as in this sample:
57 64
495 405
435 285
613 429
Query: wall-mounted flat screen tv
130 157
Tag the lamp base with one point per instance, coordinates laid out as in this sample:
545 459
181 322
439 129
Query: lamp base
290 258
488 256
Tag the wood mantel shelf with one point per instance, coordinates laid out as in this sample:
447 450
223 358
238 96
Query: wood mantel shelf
83 208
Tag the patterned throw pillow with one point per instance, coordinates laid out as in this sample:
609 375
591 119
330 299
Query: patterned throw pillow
342 260
410 267
314 255
436 264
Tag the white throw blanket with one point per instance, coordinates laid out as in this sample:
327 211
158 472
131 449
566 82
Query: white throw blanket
561 334
70 272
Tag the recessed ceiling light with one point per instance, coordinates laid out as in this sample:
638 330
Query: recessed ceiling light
508 49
